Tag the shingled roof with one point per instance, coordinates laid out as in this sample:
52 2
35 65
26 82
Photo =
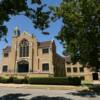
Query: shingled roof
7 49
44 44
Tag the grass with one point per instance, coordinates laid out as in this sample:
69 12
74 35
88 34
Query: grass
86 82
59 87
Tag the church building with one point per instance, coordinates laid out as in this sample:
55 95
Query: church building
28 56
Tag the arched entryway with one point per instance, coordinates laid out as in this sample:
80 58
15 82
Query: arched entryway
23 66
95 76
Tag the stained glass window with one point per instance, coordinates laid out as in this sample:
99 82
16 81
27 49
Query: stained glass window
24 48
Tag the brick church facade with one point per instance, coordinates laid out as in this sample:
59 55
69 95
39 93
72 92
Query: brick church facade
27 55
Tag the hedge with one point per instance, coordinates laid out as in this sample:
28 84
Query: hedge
47 81
3 80
56 81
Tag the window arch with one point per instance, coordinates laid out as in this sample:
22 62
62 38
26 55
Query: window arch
24 48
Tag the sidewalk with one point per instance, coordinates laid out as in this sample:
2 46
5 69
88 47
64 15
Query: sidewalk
49 87
96 82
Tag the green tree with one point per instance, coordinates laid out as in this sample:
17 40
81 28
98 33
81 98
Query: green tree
9 8
80 33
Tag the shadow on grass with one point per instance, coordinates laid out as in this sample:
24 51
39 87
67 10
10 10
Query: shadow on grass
92 91
49 98
13 96
20 96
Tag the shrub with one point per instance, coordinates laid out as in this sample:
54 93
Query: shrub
3 80
74 80
21 81
48 81
11 79
25 80
56 81
17 81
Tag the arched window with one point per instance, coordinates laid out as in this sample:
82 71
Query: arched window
24 48
23 66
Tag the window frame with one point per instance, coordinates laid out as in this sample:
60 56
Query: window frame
45 50
75 69
5 54
5 69
44 65
68 70
81 69
24 48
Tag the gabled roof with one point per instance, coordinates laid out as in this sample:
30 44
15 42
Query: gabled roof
68 58
44 44
59 56
7 49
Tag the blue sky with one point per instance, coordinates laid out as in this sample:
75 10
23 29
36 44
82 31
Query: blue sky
25 24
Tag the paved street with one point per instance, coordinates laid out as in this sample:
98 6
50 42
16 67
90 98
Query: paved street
8 93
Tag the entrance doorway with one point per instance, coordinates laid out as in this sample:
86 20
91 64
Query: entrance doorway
95 76
23 67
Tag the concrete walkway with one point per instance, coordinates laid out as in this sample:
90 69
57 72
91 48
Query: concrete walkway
96 82
49 87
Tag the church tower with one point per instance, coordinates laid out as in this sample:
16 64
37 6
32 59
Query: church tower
16 32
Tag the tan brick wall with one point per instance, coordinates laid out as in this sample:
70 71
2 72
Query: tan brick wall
36 57
88 73
5 61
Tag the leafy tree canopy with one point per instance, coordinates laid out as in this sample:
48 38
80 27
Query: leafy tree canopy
80 33
9 8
